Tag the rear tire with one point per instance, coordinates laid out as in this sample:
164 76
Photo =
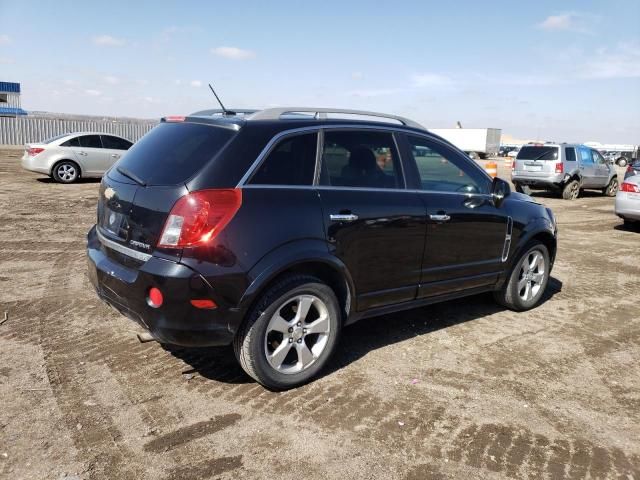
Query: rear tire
611 189
526 189
66 171
571 190
528 279
278 344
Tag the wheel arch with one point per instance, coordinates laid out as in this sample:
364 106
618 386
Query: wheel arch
58 161
302 258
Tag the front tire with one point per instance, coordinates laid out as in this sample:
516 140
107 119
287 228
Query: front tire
611 189
528 279
290 334
571 190
66 172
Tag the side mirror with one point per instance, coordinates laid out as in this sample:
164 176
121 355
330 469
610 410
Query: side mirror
499 191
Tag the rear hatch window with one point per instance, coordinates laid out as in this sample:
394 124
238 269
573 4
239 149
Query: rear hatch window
172 153
538 152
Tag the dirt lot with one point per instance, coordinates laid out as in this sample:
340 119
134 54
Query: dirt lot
459 390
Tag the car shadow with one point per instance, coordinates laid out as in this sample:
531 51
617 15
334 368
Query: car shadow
219 363
558 195
79 181
632 227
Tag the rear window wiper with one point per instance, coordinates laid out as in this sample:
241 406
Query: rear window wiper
131 175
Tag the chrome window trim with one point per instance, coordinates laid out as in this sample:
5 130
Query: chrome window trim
385 128
370 189
320 128
130 252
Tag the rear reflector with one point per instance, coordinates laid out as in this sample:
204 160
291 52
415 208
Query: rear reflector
629 187
198 217
559 168
204 303
174 118
32 152
154 298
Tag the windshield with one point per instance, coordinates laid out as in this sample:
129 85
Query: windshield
537 152
172 153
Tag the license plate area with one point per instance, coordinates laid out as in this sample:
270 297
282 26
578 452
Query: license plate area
533 168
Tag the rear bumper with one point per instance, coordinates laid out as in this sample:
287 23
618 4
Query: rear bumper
628 205
546 181
176 321
34 164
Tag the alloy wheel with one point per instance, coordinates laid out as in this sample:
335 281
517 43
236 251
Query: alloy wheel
66 172
531 278
297 334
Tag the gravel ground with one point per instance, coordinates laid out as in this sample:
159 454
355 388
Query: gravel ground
463 389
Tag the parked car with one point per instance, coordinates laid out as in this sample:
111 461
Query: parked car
73 155
513 153
628 200
633 169
504 151
565 168
272 232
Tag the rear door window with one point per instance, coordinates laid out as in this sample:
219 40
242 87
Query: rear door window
291 162
365 159
538 152
115 143
72 142
570 154
171 153
90 141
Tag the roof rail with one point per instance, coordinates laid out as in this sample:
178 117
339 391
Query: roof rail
321 113
218 111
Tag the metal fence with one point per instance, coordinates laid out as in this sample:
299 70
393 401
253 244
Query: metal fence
31 129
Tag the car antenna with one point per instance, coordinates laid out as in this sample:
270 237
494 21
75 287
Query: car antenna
225 112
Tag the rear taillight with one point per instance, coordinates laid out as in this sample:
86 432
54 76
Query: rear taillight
559 168
629 187
33 151
630 169
197 218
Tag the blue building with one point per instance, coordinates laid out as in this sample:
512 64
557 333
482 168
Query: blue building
10 100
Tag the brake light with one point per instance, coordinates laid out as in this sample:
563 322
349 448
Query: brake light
559 168
630 168
174 118
629 187
33 151
198 217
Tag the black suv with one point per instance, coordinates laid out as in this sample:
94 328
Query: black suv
274 229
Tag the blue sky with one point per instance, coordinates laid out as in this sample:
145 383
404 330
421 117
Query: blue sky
556 70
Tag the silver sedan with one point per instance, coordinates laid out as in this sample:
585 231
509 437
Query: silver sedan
628 200
73 155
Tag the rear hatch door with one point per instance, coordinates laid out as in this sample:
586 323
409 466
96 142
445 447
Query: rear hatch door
138 192
537 160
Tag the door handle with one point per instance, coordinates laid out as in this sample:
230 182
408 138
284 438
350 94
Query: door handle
348 217
115 155
440 217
